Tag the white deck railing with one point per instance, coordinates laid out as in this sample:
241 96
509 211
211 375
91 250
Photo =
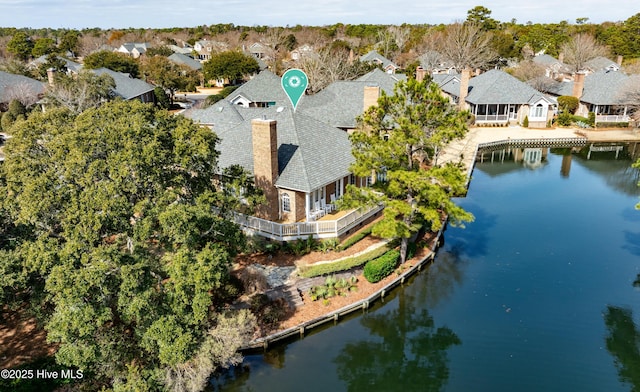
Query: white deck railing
492 117
611 119
317 229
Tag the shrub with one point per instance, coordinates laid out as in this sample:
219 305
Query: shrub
378 269
525 122
568 104
564 119
592 119
333 287
328 245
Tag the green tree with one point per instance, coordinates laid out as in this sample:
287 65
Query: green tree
231 65
20 45
43 46
399 140
170 76
481 16
118 62
69 42
123 242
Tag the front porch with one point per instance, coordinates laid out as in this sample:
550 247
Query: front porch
331 225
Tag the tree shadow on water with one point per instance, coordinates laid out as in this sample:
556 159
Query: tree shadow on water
623 343
472 240
406 351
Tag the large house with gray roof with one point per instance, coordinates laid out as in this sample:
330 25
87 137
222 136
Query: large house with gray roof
609 94
497 98
300 159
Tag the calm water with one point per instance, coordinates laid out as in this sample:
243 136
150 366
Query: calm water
536 295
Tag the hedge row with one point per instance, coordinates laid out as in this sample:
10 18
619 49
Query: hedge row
342 265
378 269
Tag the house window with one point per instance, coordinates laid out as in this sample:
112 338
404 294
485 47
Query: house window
538 111
286 203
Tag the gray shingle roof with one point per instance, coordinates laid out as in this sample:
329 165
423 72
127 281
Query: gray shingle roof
338 104
311 153
498 87
126 86
386 81
341 102
604 87
264 87
180 58
9 81
601 63
377 57
72 66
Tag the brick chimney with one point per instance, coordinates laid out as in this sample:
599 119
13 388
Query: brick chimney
578 85
371 95
465 76
51 75
619 60
420 74
265 165
561 57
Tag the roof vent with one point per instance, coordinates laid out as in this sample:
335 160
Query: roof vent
280 109
264 117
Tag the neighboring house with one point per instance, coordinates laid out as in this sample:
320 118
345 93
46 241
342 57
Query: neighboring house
134 49
608 94
263 90
375 57
434 64
183 59
129 88
19 87
602 64
301 52
496 97
205 48
554 68
71 67
186 49
259 51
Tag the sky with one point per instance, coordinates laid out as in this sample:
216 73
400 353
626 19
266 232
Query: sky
105 14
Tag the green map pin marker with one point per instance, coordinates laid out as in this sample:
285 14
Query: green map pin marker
294 84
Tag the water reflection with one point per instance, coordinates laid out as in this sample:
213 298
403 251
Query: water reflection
405 350
623 343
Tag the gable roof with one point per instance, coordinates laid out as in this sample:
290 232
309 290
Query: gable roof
601 63
386 81
264 87
10 81
374 56
71 66
498 87
126 87
183 59
311 153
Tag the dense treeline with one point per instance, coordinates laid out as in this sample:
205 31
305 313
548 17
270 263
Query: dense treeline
508 38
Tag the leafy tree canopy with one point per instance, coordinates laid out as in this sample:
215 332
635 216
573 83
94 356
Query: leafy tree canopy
115 61
230 65
398 140
115 242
